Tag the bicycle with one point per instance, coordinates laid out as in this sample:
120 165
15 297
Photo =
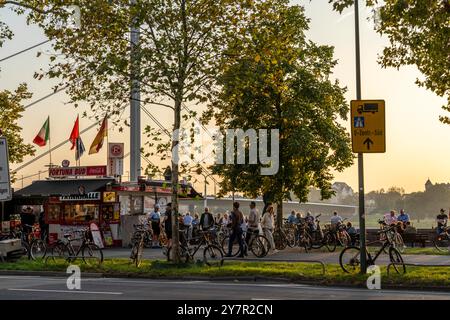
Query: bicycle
258 244
349 259
212 254
322 238
289 230
32 244
302 236
341 235
141 234
394 236
442 240
90 253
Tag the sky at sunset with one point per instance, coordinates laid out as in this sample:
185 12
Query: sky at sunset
418 145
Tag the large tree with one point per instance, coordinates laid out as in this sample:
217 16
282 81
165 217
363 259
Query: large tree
419 35
11 110
277 79
177 61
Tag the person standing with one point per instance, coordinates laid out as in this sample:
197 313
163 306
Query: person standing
237 218
335 219
187 222
206 220
43 226
155 219
253 221
268 223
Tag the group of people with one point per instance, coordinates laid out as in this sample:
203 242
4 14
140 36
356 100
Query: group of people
237 223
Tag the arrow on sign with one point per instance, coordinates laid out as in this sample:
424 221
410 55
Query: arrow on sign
368 142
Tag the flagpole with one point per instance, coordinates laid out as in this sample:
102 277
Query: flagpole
49 143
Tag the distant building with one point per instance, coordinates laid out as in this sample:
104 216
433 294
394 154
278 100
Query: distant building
341 189
428 185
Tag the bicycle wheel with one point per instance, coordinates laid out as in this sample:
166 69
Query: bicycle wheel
330 242
265 243
213 256
38 249
350 260
397 261
398 242
257 248
92 254
184 255
317 241
25 250
136 254
441 243
59 251
235 250
290 237
306 241
344 239
280 239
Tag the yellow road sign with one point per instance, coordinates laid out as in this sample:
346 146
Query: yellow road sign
368 126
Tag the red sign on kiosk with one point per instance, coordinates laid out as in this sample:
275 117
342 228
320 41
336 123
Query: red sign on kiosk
78 171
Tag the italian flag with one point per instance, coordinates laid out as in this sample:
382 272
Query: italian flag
43 135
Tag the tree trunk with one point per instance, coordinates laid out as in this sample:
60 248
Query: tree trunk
175 209
279 222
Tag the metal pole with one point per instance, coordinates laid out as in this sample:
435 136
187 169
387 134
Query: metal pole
205 201
135 105
362 218
3 211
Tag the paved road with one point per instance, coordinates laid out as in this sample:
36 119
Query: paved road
26 288
294 254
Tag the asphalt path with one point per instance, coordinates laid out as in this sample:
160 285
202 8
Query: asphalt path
52 288
292 254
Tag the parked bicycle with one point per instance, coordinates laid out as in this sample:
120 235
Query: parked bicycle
258 244
140 238
302 237
341 235
32 245
90 253
394 236
350 257
321 237
441 241
212 254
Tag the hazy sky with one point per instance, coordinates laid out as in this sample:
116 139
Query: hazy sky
418 145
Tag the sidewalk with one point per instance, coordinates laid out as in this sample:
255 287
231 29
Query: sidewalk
290 254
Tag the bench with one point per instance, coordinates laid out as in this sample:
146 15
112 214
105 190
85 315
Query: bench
413 238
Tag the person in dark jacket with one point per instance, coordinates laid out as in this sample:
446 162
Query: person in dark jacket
237 218
206 220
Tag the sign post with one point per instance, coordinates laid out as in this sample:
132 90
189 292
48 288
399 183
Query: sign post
115 159
5 180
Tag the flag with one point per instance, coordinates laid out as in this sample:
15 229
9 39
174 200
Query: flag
97 144
75 134
80 149
44 134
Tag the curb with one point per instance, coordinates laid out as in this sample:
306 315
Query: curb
224 279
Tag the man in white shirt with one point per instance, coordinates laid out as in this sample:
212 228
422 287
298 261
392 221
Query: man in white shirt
155 220
253 221
390 218
335 219
187 221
